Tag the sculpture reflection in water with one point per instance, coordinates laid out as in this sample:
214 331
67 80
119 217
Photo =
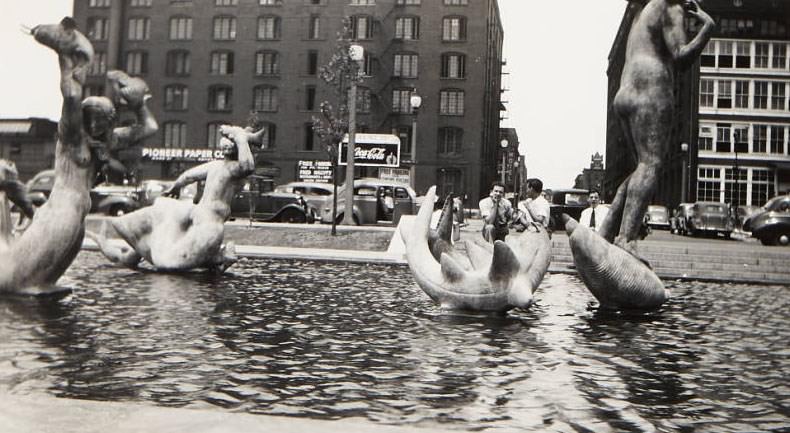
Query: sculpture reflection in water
656 49
33 261
472 276
176 235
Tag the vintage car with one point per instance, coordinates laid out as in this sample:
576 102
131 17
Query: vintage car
710 218
40 186
743 213
680 220
571 201
314 193
114 200
657 217
370 202
771 224
257 200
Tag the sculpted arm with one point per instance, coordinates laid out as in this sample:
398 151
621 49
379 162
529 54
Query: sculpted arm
192 175
675 34
242 137
145 127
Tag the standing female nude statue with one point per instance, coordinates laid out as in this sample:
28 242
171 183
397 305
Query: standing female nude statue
644 104
176 235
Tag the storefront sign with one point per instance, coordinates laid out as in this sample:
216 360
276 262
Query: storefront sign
395 174
314 171
181 154
373 150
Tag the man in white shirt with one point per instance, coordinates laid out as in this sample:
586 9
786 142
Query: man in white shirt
593 216
535 208
496 212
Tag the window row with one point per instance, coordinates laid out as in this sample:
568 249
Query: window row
224 28
755 138
727 54
735 185
147 3
743 94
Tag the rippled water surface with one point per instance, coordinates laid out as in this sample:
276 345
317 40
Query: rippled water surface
331 341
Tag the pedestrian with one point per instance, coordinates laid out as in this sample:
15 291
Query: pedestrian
594 215
497 213
535 208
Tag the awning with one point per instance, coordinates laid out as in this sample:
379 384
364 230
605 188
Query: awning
15 127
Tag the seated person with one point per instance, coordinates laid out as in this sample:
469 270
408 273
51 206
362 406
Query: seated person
497 213
535 208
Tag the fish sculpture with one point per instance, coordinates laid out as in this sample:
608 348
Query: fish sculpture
616 278
484 278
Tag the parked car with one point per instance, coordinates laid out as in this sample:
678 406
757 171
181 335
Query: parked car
314 193
681 218
571 201
743 213
40 186
710 218
257 200
114 200
657 217
369 202
771 224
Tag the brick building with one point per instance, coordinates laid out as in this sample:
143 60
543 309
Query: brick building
210 62
29 143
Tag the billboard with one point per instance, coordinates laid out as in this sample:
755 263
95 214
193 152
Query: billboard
372 150
314 171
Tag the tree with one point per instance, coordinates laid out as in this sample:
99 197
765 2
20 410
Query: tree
339 73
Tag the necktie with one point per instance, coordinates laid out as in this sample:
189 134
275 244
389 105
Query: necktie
592 219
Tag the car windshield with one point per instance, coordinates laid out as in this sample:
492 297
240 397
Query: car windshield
775 202
576 199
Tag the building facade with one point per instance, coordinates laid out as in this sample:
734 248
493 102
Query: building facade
29 143
210 62
731 140
592 178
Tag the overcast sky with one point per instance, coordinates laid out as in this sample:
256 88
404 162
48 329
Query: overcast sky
556 58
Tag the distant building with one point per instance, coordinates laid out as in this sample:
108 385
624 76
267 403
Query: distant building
734 116
592 178
29 143
210 62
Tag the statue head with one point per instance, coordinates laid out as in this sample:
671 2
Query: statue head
98 116
228 148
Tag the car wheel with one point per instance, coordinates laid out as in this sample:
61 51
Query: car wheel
782 239
117 211
293 216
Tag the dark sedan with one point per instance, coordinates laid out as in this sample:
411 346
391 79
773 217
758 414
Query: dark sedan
771 224
257 200
710 218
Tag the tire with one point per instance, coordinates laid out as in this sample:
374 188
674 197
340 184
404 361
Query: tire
781 239
293 216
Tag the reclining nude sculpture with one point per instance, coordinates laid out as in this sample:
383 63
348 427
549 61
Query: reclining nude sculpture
177 235
485 278
644 104
31 263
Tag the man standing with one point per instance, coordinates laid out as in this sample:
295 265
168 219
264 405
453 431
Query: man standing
496 213
535 208
593 216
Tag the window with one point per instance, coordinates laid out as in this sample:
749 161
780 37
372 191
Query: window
400 101
140 3
361 27
270 2
175 134
762 186
180 29
454 29
450 140
367 64
99 64
269 27
779 57
224 28
778 96
761 50
408 2
309 97
176 97
741 94
708 56
98 29
709 184
705 140
177 63
404 133
725 54
724 99
740 135
706 92
363 2
220 98
449 180
314 28
136 62
455 2
760 139
312 62
309 137
405 65
138 29
761 94
723 139
213 134
363 100
735 189
743 54
777 139
226 2
99 3
407 28
451 102
266 63
221 63
269 135
264 98
453 65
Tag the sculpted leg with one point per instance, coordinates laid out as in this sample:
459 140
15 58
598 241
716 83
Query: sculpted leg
135 228
121 254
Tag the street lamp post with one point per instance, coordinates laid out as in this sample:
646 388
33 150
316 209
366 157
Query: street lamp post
356 53
504 144
415 101
684 147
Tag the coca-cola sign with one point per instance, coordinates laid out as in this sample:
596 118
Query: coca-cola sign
373 150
